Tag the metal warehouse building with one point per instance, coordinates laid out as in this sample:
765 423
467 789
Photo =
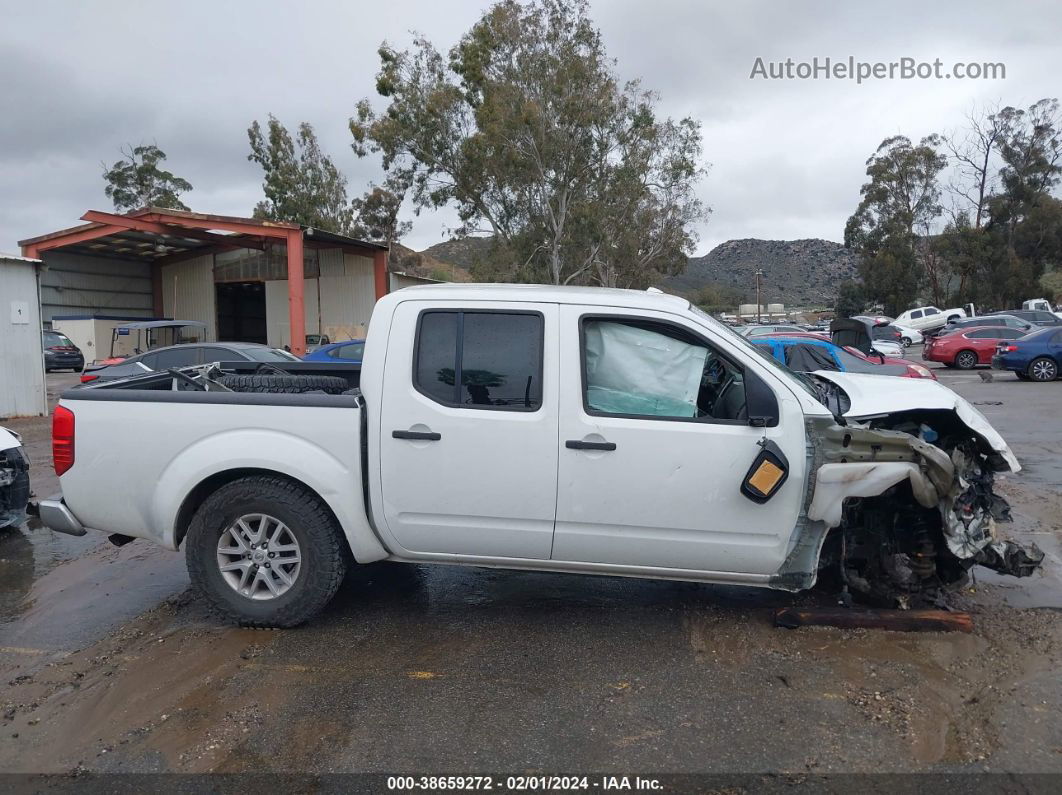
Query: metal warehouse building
246 279
22 391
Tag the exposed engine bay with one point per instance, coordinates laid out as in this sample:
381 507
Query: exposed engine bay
14 480
909 500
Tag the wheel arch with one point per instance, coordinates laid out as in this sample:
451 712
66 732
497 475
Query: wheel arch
201 491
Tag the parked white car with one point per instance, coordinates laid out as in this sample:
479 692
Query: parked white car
530 427
911 336
14 479
925 318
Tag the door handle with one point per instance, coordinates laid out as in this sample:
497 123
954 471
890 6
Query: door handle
426 436
579 444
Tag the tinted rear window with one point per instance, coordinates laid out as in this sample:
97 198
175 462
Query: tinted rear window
480 359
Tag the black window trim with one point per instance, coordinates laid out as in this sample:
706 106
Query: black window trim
461 312
657 321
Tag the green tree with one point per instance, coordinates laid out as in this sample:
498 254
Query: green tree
999 264
890 227
302 184
526 129
1051 283
851 299
377 212
137 180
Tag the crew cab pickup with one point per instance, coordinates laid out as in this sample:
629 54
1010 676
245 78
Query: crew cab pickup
927 318
584 430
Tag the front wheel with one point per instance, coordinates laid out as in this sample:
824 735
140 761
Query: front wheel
1043 369
265 552
906 342
966 360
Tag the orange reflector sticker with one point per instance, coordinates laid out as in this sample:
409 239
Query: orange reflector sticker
765 477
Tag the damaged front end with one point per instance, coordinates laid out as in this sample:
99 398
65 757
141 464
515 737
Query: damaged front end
902 506
14 484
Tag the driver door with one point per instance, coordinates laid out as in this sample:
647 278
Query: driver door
654 445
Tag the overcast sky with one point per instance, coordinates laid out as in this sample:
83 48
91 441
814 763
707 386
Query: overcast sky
80 79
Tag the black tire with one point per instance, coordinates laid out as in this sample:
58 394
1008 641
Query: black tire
1042 369
285 384
966 360
906 342
321 546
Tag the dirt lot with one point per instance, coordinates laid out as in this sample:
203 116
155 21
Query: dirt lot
110 665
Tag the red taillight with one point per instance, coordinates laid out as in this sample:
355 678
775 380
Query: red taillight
86 377
1008 348
62 439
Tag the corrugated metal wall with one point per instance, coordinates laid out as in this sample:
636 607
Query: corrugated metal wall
188 292
21 356
347 290
75 284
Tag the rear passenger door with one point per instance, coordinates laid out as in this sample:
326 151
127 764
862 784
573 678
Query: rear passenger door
468 442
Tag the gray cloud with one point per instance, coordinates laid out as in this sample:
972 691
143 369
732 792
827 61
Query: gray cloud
80 80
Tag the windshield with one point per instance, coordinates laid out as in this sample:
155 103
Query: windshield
54 339
269 355
800 379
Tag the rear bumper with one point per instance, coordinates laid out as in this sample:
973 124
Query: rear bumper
56 516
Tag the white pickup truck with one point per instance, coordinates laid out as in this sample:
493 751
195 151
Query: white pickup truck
556 429
927 318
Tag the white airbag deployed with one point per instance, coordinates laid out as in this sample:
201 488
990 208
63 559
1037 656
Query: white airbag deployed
631 370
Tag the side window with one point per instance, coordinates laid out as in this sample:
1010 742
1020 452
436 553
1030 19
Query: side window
480 359
980 334
932 311
148 360
916 314
215 354
1009 334
175 357
352 351
653 370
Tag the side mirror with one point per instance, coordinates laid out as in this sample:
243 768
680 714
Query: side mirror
761 404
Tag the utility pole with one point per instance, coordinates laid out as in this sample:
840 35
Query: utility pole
759 275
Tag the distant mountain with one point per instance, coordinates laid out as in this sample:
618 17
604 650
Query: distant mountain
796 272
422 263
464 252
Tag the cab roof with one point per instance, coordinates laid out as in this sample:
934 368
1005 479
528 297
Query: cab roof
546 294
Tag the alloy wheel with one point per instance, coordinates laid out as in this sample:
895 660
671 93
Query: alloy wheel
1043 370
259 557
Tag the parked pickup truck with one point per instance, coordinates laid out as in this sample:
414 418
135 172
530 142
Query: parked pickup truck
526 427
927 318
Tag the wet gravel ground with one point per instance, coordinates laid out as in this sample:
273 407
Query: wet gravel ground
108 663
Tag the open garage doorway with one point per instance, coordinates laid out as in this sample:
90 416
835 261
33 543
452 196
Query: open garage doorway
241 312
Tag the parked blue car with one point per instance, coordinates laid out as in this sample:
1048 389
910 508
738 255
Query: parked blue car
349 351
806 354
1034 357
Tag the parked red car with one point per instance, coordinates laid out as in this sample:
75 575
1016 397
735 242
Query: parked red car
969 347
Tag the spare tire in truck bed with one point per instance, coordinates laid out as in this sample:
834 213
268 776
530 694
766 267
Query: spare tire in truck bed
287 384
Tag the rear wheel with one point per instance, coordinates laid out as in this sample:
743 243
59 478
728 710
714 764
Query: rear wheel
966 360
1043 369
265 552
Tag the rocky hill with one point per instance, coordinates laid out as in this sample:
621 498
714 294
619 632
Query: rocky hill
422 263
464 252
796 272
